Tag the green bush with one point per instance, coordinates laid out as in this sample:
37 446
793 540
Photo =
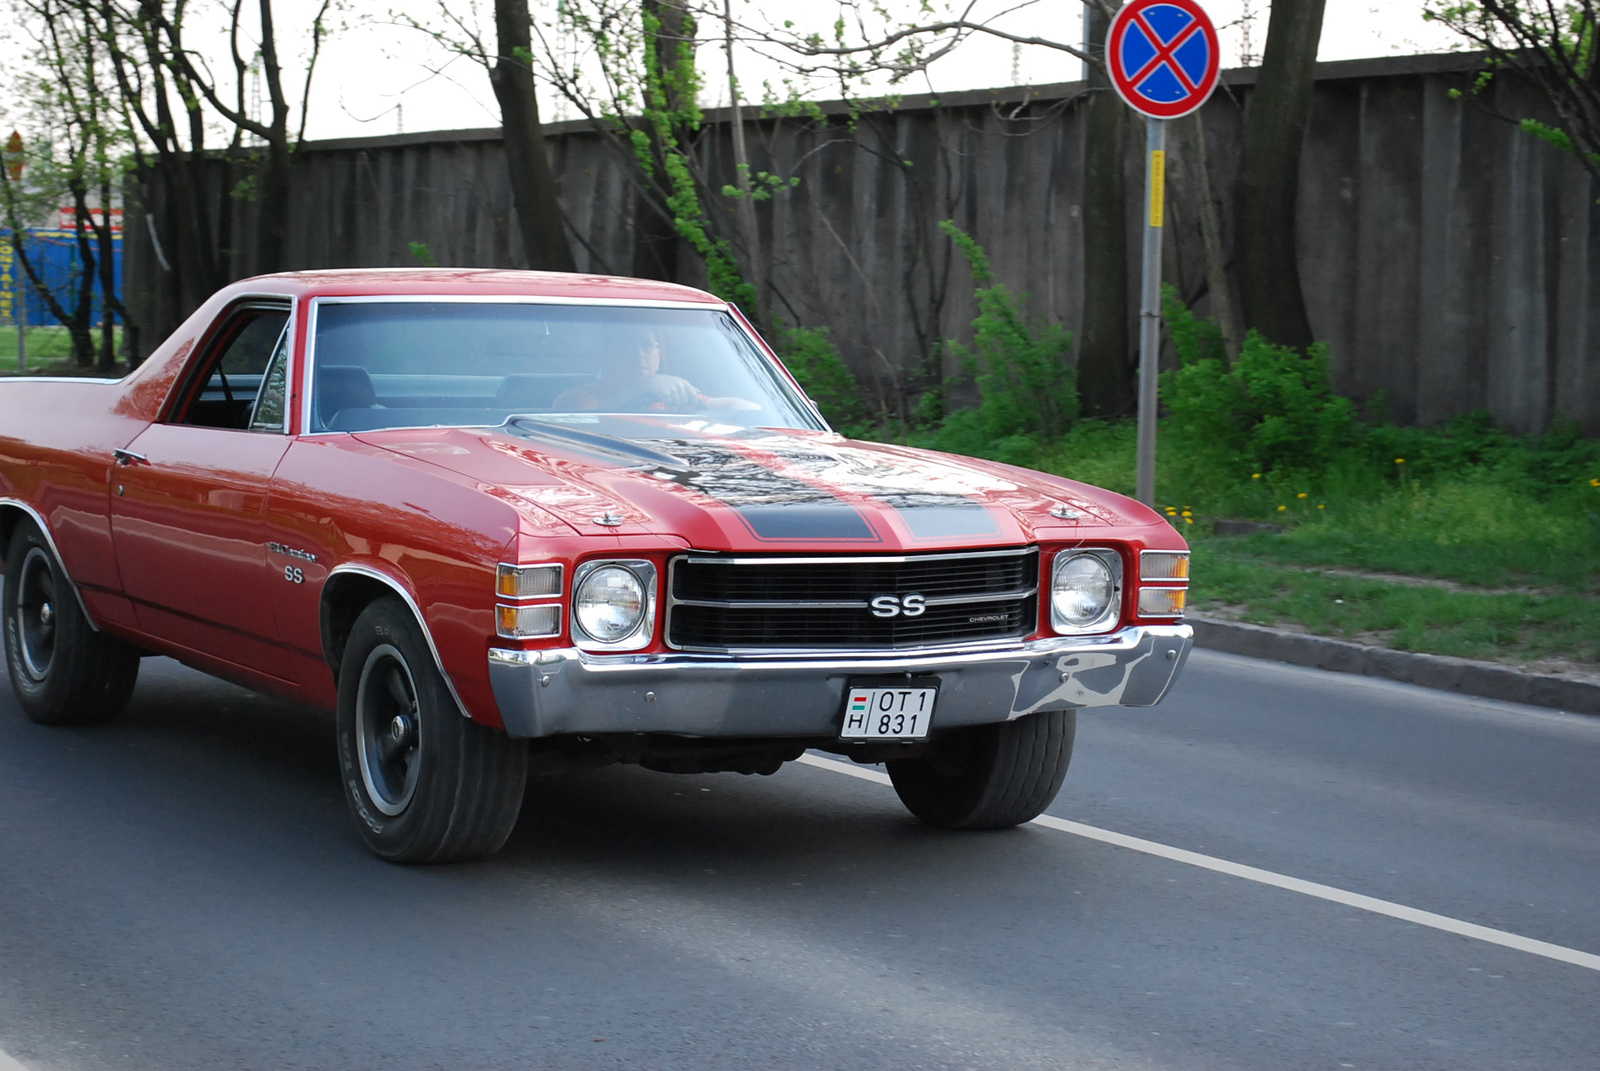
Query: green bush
1026 384
1271 411
814 361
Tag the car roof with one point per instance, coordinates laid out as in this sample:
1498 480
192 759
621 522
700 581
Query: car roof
468 282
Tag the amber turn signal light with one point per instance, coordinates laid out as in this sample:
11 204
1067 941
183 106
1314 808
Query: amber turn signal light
1162 602
528 622
527 581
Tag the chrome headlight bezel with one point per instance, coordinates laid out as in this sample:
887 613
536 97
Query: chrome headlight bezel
642 630
1109 562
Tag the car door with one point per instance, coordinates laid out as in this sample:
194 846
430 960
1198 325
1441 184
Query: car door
187 495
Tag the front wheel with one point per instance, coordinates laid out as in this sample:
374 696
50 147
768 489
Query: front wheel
62 671
989 776
424 783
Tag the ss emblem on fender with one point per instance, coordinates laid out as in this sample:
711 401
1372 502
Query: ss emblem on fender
894 606
294 575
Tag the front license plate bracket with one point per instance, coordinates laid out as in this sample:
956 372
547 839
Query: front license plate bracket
889 709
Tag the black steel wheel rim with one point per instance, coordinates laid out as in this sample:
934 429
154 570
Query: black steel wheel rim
388 730
36 614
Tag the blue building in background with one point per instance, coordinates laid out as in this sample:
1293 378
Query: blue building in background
54 255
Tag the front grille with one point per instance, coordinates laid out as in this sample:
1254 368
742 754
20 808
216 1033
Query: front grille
721 604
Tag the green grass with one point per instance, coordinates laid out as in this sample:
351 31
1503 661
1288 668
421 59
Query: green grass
1509 627
1470 531
46 345
49 350
1484 529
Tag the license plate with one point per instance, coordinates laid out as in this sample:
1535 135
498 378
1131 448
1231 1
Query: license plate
888 713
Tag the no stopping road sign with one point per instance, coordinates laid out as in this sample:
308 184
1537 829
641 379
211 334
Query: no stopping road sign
1163 56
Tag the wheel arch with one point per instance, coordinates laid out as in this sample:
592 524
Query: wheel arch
12 513
349 590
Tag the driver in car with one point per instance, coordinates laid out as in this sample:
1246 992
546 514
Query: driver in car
631 380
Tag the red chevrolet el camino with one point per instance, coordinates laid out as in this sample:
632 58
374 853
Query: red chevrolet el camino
510 522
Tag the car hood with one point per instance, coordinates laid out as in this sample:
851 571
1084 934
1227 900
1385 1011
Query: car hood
726 488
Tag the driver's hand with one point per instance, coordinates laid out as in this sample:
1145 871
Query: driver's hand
674 392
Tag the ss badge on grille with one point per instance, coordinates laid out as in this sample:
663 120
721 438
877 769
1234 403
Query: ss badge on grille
896 605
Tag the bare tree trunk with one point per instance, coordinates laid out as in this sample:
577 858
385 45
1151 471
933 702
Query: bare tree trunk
1269 176
747 205
533 184
655 233
80 326
272 226
1218 285
1105 360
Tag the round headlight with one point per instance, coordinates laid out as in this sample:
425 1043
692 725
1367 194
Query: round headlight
1082 591
609 603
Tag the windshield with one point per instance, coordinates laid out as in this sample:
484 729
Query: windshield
403 364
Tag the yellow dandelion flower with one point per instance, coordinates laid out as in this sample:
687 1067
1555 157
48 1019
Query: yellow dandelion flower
1186 513
1282 508
1302 494
1594 483
1399 461
1188 520
1255 475
1322 507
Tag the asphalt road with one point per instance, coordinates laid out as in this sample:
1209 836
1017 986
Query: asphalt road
183 890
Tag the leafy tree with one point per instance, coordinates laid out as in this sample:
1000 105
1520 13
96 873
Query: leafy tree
157 68
1550 44
73 153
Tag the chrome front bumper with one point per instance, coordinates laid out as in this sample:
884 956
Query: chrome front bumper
543 693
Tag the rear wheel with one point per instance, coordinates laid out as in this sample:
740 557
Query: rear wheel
989 776
62 671
424 783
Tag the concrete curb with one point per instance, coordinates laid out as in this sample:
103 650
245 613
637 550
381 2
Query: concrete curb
1489 680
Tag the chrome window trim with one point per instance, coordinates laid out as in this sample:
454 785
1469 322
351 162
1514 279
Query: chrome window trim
704 558
38 519
261 302
309 360
285 339
642 636
62 379
416 611
514 299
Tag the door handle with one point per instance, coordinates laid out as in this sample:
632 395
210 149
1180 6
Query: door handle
128 457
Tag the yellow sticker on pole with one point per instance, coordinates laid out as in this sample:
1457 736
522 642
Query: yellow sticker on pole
1158 187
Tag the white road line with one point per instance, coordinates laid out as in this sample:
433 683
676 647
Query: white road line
1277 881
8 1064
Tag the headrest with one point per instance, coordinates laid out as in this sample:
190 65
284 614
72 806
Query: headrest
342 386
527 391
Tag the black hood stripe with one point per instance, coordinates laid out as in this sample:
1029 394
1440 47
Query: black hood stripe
772 505
927 514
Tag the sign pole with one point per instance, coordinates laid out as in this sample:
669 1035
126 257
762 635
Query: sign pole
1164 60
1155 183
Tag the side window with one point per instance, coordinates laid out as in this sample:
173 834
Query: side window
235 371
273 399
